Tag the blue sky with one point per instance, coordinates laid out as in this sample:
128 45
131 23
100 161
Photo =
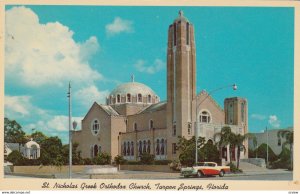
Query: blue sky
99 47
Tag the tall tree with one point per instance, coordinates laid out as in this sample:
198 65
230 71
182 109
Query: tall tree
187 149
225 137
38 136
289 140
13 133
238 141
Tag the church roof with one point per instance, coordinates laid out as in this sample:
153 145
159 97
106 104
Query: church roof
155 107
133 88
109 110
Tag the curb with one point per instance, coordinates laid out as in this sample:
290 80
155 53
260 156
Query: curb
52 176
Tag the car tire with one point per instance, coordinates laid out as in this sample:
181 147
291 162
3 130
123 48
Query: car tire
221 173
200 174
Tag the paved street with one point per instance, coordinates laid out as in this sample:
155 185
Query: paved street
269 175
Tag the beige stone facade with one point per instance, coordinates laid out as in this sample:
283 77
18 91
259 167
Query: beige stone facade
134 120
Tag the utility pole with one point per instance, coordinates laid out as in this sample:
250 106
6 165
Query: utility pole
70 133
267 147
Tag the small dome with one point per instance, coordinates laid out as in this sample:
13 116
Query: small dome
31 143
133 88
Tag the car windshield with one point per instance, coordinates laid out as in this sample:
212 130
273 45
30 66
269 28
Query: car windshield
201 164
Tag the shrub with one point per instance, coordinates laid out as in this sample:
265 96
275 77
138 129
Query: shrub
102 159
175 165
87 161
162 162
284 160
147 158
16 158
233 168
120 160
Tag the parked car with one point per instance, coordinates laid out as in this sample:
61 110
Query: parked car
205 169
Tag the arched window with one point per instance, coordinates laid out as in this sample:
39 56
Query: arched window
157 147
148 146
128 149
135 127
151 124
118 98
144 146
149 98
140 147
162 147
95 127
189 128
205 117
210 142
128 98
95 150
140 99
132 148
124 149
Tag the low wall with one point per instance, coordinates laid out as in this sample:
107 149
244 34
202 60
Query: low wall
154 168
47 169
256 161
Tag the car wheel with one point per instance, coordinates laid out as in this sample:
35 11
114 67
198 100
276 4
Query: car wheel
200 174
221 174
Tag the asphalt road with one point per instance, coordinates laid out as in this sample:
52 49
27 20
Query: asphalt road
158 175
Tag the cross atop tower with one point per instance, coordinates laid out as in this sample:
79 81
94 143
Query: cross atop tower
132 78
180 13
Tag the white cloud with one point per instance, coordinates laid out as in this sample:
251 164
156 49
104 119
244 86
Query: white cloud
88 95
55 124
274 121
118 26
20 107
45 54
258 116
151 69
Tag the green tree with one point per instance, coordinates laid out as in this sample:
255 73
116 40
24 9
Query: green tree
102 159
15 157
38 136
237 140
119 160
51 148
289 140
210 152
187 149
262 153
13 133
225 137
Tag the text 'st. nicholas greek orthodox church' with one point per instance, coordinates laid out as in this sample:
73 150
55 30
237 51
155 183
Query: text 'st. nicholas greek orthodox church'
134 120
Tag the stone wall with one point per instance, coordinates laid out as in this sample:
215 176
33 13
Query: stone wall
153 168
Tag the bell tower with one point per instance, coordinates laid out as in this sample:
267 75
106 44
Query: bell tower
181 80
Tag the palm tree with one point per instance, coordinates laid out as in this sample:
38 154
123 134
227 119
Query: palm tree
225 136
289 140
238 141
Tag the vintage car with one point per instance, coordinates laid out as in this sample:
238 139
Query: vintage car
205 169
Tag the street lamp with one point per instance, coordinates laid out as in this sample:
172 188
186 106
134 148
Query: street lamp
234 87
74 124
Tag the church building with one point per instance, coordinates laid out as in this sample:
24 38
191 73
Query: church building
134 119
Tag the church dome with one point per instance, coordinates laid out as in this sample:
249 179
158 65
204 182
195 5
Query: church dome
132 92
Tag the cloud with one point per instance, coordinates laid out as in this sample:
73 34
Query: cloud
258 117
155 67
55 124
274 121
89 95
20 106
118 26
45 54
